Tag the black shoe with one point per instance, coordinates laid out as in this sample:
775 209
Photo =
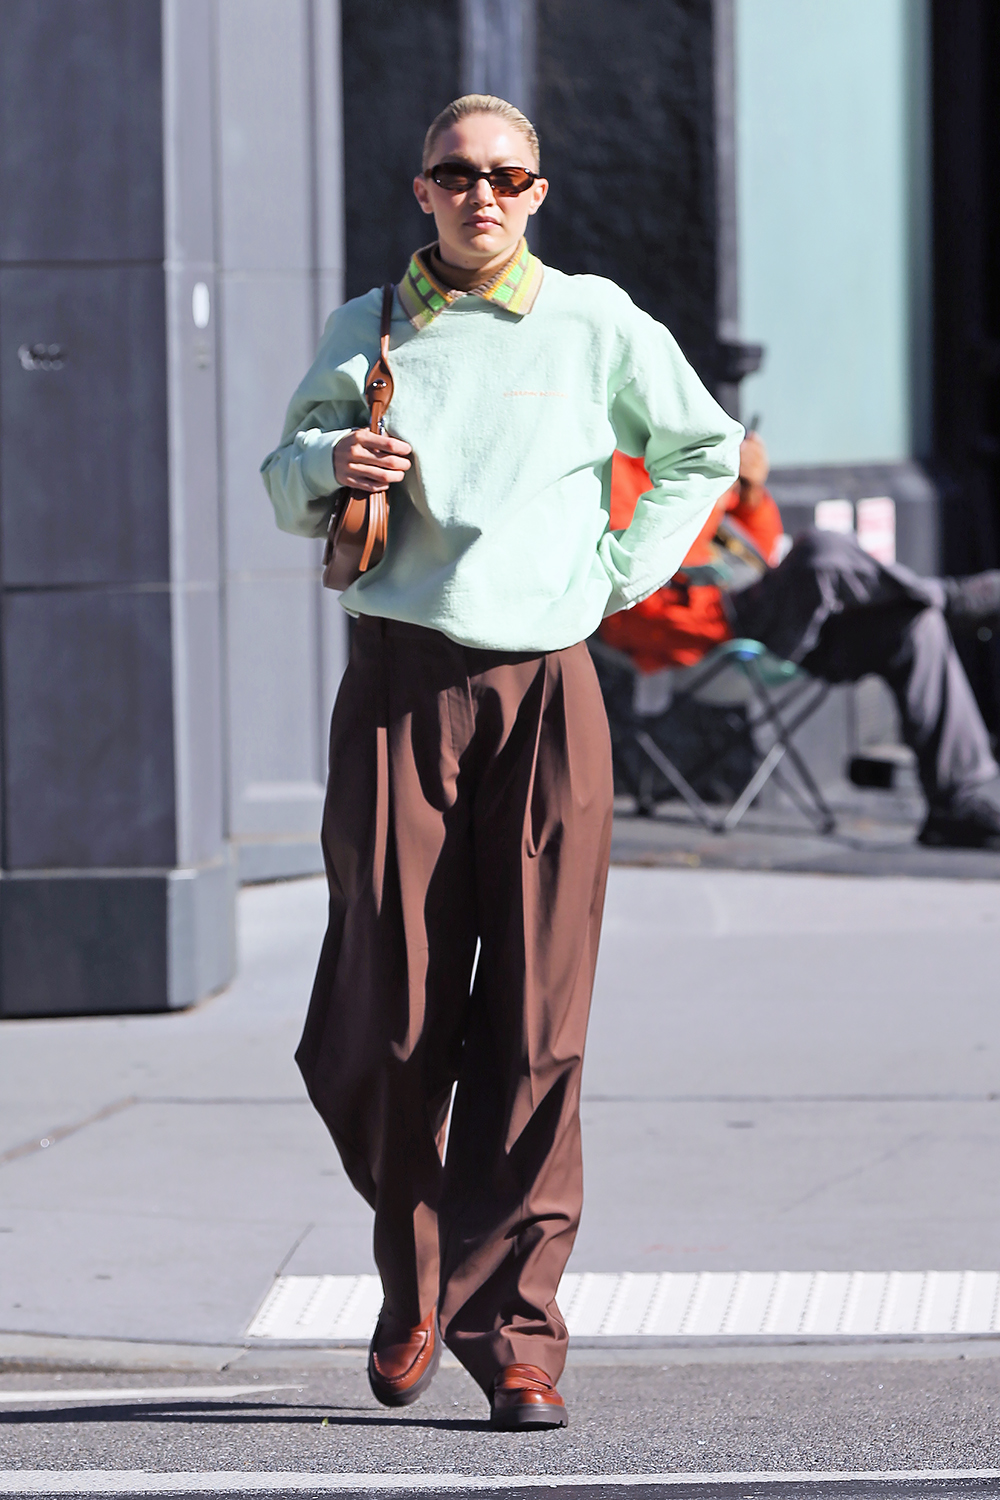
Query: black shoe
973 601
969 823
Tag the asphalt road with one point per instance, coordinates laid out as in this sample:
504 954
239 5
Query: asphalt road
729 1412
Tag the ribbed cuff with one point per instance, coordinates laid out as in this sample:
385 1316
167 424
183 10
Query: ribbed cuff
317 461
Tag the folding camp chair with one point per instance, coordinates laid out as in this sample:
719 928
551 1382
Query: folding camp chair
764 702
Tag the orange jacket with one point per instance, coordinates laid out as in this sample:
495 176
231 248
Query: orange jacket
681 622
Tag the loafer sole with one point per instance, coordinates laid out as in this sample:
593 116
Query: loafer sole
518 1418
390 1395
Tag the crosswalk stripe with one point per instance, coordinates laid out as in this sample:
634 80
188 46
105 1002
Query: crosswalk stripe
113 1396
228 1481
681 1304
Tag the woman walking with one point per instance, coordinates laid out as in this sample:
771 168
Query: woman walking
469 798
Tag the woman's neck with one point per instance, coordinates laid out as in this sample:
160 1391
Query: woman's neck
461 279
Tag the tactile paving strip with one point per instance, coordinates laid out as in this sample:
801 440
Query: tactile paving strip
673 1304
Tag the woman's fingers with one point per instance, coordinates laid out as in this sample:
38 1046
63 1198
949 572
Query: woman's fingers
370 479
381 442
366 476
360 459
370 460
379 448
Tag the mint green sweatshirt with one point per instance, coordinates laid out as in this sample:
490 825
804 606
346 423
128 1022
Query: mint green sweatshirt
498 535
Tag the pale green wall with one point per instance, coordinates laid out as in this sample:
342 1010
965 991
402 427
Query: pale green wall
831 170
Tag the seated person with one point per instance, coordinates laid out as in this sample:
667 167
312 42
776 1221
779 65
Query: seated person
839 614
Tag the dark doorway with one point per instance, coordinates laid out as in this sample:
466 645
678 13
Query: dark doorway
966 64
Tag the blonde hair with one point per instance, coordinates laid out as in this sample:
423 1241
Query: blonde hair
480 104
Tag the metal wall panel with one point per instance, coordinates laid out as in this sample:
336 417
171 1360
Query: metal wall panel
80 119
83 466
75 945
109 508
280 274
192 407
88 746
269 339
276 755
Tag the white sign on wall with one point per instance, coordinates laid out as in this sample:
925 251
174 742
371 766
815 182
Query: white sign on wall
834 515
877 527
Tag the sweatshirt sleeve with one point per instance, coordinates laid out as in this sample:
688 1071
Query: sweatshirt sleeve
662 413
298 474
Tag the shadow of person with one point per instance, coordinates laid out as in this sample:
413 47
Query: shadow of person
230 1413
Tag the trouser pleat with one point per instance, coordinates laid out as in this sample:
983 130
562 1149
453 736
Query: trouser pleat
469 803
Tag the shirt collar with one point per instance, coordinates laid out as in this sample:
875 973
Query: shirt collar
514 288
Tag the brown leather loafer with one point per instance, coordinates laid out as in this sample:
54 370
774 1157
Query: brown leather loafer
524 1396
402 1361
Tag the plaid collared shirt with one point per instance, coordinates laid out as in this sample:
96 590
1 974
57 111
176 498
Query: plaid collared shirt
514 288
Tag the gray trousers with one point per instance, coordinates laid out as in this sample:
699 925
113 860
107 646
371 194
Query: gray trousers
841 615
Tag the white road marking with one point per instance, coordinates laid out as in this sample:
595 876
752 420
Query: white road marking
712 1304
114 1396
227 1481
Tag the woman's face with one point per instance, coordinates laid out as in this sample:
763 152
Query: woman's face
476 227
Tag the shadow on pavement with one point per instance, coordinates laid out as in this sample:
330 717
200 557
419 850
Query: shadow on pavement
230 1413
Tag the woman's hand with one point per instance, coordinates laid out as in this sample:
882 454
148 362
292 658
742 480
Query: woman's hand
365 460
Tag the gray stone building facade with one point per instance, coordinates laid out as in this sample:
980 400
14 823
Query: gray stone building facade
170 243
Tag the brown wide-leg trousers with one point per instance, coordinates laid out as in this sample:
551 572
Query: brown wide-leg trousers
469 802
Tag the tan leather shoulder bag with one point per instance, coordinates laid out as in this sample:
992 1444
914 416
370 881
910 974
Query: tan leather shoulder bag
359 525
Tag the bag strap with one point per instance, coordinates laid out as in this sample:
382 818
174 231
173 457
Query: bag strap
379 385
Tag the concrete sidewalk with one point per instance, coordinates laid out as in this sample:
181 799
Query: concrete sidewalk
875 835
785 1073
